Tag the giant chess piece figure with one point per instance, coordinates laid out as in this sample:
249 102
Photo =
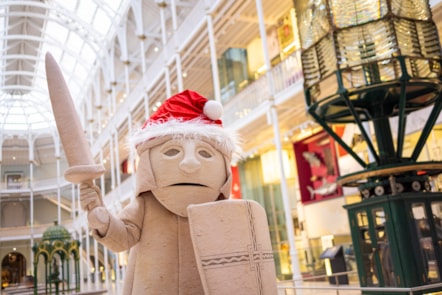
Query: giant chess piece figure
183 234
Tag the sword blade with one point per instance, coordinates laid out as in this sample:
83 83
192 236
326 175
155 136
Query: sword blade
77 150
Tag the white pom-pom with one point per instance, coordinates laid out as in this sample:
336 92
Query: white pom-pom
213 110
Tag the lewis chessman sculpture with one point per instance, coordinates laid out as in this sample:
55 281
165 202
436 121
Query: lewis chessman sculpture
183 234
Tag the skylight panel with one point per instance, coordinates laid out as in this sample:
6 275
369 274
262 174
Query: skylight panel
69 5
16 116
40 95
86 10
57 32
67 63
40 83
12 125
40 125
75 33
74 42
41 116
80 71
89 54
115 5
102 22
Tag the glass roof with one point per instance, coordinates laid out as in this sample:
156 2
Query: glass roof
73 31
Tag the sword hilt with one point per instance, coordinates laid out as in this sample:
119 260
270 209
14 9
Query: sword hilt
83 173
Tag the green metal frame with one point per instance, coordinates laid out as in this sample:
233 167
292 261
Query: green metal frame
403 238
378 77
377 103
50 248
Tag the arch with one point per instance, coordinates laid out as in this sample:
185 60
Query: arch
13 269
61 259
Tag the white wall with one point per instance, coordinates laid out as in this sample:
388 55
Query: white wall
326 217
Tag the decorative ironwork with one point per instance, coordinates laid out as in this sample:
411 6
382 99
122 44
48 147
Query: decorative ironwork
57 249
370 63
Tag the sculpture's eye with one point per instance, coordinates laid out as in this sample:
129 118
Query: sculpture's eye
171 152
204 154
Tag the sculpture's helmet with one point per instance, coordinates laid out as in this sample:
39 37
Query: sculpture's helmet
184 115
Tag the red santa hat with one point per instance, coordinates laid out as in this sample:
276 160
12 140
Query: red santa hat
188 115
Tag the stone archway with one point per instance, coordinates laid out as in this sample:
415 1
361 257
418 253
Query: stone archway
13 269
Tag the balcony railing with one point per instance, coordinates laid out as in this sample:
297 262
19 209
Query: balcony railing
318 285
25 185
24 232
253 98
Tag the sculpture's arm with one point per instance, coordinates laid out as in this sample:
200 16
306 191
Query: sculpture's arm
118 233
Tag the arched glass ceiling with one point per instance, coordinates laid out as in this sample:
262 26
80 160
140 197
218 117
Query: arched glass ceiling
75 32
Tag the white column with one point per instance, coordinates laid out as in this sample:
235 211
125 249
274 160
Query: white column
118 276
167 82
277 138
88 258
96 265
137 10
162 5
112 81
80 238
58 190
286 200
75 208
31 194
124 56
142 52
132 154
173 9
96 107
179 72
214 61
102 179
112 162
126 75
146 105
107 275
31 199
117 158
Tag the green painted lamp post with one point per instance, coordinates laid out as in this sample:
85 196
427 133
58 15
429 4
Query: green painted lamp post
373 64
57 249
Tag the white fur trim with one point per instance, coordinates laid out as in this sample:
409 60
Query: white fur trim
213 110
225 140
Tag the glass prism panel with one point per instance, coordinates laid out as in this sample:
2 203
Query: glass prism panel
313 23
413 9
347 13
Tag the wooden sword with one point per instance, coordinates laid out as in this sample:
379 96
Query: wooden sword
82 168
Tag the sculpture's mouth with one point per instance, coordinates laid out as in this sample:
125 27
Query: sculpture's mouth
188 184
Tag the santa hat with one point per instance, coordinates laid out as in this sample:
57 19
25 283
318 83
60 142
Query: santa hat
188 115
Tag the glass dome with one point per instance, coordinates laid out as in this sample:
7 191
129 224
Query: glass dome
56 232
72 31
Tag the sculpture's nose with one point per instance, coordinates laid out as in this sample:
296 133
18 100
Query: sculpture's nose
189 163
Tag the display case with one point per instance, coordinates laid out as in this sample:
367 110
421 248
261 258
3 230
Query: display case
398 240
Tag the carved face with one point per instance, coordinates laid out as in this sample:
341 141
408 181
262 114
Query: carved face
187 171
